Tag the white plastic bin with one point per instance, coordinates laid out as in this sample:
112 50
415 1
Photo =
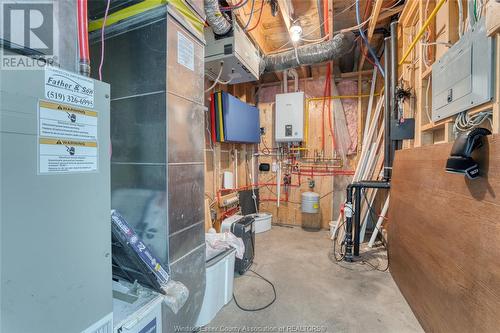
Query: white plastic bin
262 222
136 313
219 286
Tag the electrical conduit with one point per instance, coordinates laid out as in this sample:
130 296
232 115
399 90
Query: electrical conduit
217 21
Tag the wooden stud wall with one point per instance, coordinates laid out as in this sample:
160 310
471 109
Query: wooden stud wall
330 189
220 157
289 212
416 75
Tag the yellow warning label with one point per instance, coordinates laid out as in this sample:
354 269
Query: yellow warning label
45 141
67 108
315 206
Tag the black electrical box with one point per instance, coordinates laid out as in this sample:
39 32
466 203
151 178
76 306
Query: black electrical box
403 130
245 229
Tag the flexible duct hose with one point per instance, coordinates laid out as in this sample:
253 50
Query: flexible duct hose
217 21
332 49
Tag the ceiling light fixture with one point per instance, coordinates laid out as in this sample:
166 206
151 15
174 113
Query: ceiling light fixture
295 33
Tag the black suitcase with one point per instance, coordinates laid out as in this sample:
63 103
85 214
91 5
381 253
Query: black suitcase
245 230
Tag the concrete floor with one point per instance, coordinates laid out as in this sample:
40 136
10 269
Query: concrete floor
313 291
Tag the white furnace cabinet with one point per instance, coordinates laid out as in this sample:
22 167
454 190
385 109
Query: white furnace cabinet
289 124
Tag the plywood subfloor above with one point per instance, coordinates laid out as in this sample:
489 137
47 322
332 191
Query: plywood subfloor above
271 34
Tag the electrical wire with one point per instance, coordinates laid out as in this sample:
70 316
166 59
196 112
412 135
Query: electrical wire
372 212
102 39
479 9
250 17
318 40
262 307
427 99
237 6
282 47
335 253
356 27
260 16
363 36
218 77
465 122
212 77
342 244
460 18
266 150
207 122
250 176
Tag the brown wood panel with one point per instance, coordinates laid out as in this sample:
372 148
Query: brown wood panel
444 239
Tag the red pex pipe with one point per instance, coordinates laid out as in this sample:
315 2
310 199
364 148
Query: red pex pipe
272 200
324 173
338 172
323 169
230 190
83 32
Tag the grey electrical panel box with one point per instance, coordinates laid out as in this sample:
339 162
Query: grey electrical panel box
462 78
55 229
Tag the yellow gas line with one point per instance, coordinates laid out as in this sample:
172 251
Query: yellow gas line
306 130
337 97
422 30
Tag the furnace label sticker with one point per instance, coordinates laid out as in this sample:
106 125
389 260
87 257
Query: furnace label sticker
57 120
67 87
185 51
67 156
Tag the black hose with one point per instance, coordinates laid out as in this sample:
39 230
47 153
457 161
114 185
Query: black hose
262 307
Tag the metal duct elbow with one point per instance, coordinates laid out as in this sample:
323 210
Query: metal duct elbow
310 54
217 21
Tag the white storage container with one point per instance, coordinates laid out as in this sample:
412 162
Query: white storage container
228 222
262 222
136 313
219 286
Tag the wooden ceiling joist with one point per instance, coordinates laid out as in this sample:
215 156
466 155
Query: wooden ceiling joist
285 13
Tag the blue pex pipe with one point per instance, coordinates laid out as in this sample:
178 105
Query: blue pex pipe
362 34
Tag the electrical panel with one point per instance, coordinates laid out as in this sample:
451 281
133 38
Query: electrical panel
289 124
241 58
463 77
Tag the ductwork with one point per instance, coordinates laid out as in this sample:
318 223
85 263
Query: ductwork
217 21
310 54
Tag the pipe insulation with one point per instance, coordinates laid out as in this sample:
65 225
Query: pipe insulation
217 21
310 54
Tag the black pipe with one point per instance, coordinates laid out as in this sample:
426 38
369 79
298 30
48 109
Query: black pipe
352 246
357 221
348 214
387 112
394 78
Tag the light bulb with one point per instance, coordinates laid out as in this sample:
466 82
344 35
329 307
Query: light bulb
295 33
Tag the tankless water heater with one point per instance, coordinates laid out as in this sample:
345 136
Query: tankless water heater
289 125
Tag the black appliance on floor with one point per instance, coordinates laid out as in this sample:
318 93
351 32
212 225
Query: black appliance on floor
244 228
